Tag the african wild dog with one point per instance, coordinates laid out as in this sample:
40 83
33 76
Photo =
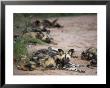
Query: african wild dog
37 24
39 35
63 61
90 55
53 59
63 58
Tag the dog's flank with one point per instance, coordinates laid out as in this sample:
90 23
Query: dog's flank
45 57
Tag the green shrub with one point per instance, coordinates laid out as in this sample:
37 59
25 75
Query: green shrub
21 44
20 48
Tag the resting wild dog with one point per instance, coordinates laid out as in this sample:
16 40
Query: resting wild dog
61 58
38 25
90 55
52 59
39 35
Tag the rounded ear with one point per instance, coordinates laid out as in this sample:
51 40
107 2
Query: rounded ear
71 51
60 51
54 21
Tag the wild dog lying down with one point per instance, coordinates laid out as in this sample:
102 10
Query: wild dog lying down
63 58
90 55
46 24
41 58
63 61
39 35
35 27
57 59
50 59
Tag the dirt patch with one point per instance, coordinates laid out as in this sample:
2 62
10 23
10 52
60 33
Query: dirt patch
79 33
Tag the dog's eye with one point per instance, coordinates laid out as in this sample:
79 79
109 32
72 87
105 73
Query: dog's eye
67 58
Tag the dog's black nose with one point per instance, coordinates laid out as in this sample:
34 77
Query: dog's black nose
67 60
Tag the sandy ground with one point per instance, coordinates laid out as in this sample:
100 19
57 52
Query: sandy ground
79 33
